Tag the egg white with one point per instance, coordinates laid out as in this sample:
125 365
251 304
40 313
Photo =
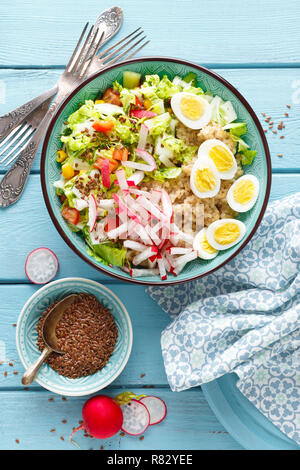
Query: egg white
203 152
212 228
192 124
197 247
201 164
236 206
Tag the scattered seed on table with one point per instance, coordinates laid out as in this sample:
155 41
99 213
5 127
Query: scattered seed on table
102 447
50 399
286 114
271 123
141 438
14 324
5 373
17 441
64 421
265 130
267 119
282 136
274 132
142 375
122 434
80 422
62 438
52 430
63 398
26 389
151 386
288 105
16 373
280 155
1 362
280 125
10 364
263 114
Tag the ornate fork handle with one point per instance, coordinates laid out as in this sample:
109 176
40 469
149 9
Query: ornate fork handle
11 120
13 182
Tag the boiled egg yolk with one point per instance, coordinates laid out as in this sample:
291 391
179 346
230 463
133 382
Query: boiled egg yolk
221 158
191 108
244 191
204 179
227 233
203 243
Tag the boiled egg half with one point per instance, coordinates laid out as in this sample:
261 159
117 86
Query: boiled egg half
242 195
225 233
201 245
192 110
221 155
204 180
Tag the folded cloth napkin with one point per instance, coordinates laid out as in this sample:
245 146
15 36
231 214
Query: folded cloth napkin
244 318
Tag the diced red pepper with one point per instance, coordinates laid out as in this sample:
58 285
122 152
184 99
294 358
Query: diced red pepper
112 96
71 215
138 103
103 126
120 154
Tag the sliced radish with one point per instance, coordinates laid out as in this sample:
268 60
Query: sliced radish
136 178
41 265
147 157
132 245
138 166
122 179
122 205
106 203
177 250
186 258
92 212
136 418
148 253
161 267
105 173
156 407
166 204
144 272
143 136
141 113
80 204
118 231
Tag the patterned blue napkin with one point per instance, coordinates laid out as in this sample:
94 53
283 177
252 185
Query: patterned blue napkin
245 318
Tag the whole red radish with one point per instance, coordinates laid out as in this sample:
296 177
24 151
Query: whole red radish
102 417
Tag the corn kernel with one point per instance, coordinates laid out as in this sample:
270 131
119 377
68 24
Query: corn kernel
61 156
68 171
147 104
99 101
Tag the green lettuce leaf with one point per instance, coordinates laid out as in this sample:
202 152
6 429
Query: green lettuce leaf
248 156
159 124
165 173
111 253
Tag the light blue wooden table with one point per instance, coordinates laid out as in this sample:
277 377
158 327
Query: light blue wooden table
255 45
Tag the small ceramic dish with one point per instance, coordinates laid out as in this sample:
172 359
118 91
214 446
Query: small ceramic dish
26 336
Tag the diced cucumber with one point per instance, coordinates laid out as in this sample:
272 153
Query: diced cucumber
191 78
131 79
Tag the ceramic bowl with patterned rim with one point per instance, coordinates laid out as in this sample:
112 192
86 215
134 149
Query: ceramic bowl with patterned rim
208 80
26 336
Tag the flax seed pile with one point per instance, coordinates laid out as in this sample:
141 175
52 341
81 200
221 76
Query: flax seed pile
87 333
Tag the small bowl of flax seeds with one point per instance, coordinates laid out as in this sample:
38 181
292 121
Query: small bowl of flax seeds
95 334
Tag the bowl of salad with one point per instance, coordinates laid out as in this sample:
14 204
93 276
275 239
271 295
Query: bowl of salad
156 171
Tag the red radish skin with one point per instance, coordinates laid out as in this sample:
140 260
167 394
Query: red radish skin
102 417
34 281
147 400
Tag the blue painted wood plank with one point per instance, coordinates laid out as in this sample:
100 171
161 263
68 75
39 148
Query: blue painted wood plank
27 225
207 32
148 321
267 90
190 424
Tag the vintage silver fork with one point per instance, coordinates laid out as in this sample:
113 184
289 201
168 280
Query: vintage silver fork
18 126
13 183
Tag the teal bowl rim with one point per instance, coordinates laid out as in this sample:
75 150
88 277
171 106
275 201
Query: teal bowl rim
124 311
224 82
